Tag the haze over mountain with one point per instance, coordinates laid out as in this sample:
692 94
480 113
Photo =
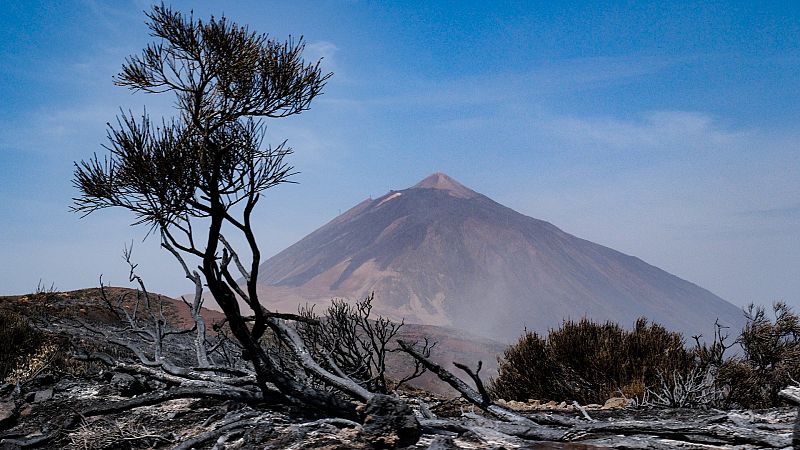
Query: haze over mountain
439 253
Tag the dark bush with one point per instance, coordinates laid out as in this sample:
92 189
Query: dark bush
527 371
655 354
18 341
770 358
589 362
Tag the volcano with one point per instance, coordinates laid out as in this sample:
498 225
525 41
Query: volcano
439 253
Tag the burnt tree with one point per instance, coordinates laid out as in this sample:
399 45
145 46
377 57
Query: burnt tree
206 168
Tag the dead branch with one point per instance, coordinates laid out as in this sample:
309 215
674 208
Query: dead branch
467 392
580 408
293 340
719 433
31 442
201 351
791 394
485 399
155 398
202 438
419 368
514 425
157 373
234 423
344 423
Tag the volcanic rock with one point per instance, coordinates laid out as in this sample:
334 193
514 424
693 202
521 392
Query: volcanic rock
390 423
8 414
128 385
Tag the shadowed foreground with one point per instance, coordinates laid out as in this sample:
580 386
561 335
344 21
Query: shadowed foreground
64 401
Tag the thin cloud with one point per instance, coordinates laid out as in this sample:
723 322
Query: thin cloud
570 75
655 130
110 15
588 73
324 50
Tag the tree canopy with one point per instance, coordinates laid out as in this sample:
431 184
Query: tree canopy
225 80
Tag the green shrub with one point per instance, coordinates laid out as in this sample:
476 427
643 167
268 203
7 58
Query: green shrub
589 362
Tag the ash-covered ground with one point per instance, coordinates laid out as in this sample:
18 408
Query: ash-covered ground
58 402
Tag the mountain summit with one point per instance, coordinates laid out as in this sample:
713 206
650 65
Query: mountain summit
441 181
439 253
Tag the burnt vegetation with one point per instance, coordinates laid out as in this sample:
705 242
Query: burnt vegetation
195 181
770 358
206 170
209 166
348 339
18 341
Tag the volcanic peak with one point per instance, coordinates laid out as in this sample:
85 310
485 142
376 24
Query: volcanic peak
439 253
443 182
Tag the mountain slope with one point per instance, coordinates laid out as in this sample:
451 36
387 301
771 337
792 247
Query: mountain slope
439 253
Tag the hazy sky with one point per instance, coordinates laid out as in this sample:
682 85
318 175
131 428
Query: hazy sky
666 130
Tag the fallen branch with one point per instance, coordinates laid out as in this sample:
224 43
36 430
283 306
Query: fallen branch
290 337
722 434
485 398
30 442
344 423
791 394
228 425
514 426
523 425
582 410
154 398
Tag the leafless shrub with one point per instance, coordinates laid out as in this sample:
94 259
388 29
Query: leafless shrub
142 327
349 340
712 353
694 388
44 292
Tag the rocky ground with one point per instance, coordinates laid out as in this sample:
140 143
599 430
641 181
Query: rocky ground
60 403
48 413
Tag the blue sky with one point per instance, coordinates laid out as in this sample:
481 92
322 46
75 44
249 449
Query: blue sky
665 130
